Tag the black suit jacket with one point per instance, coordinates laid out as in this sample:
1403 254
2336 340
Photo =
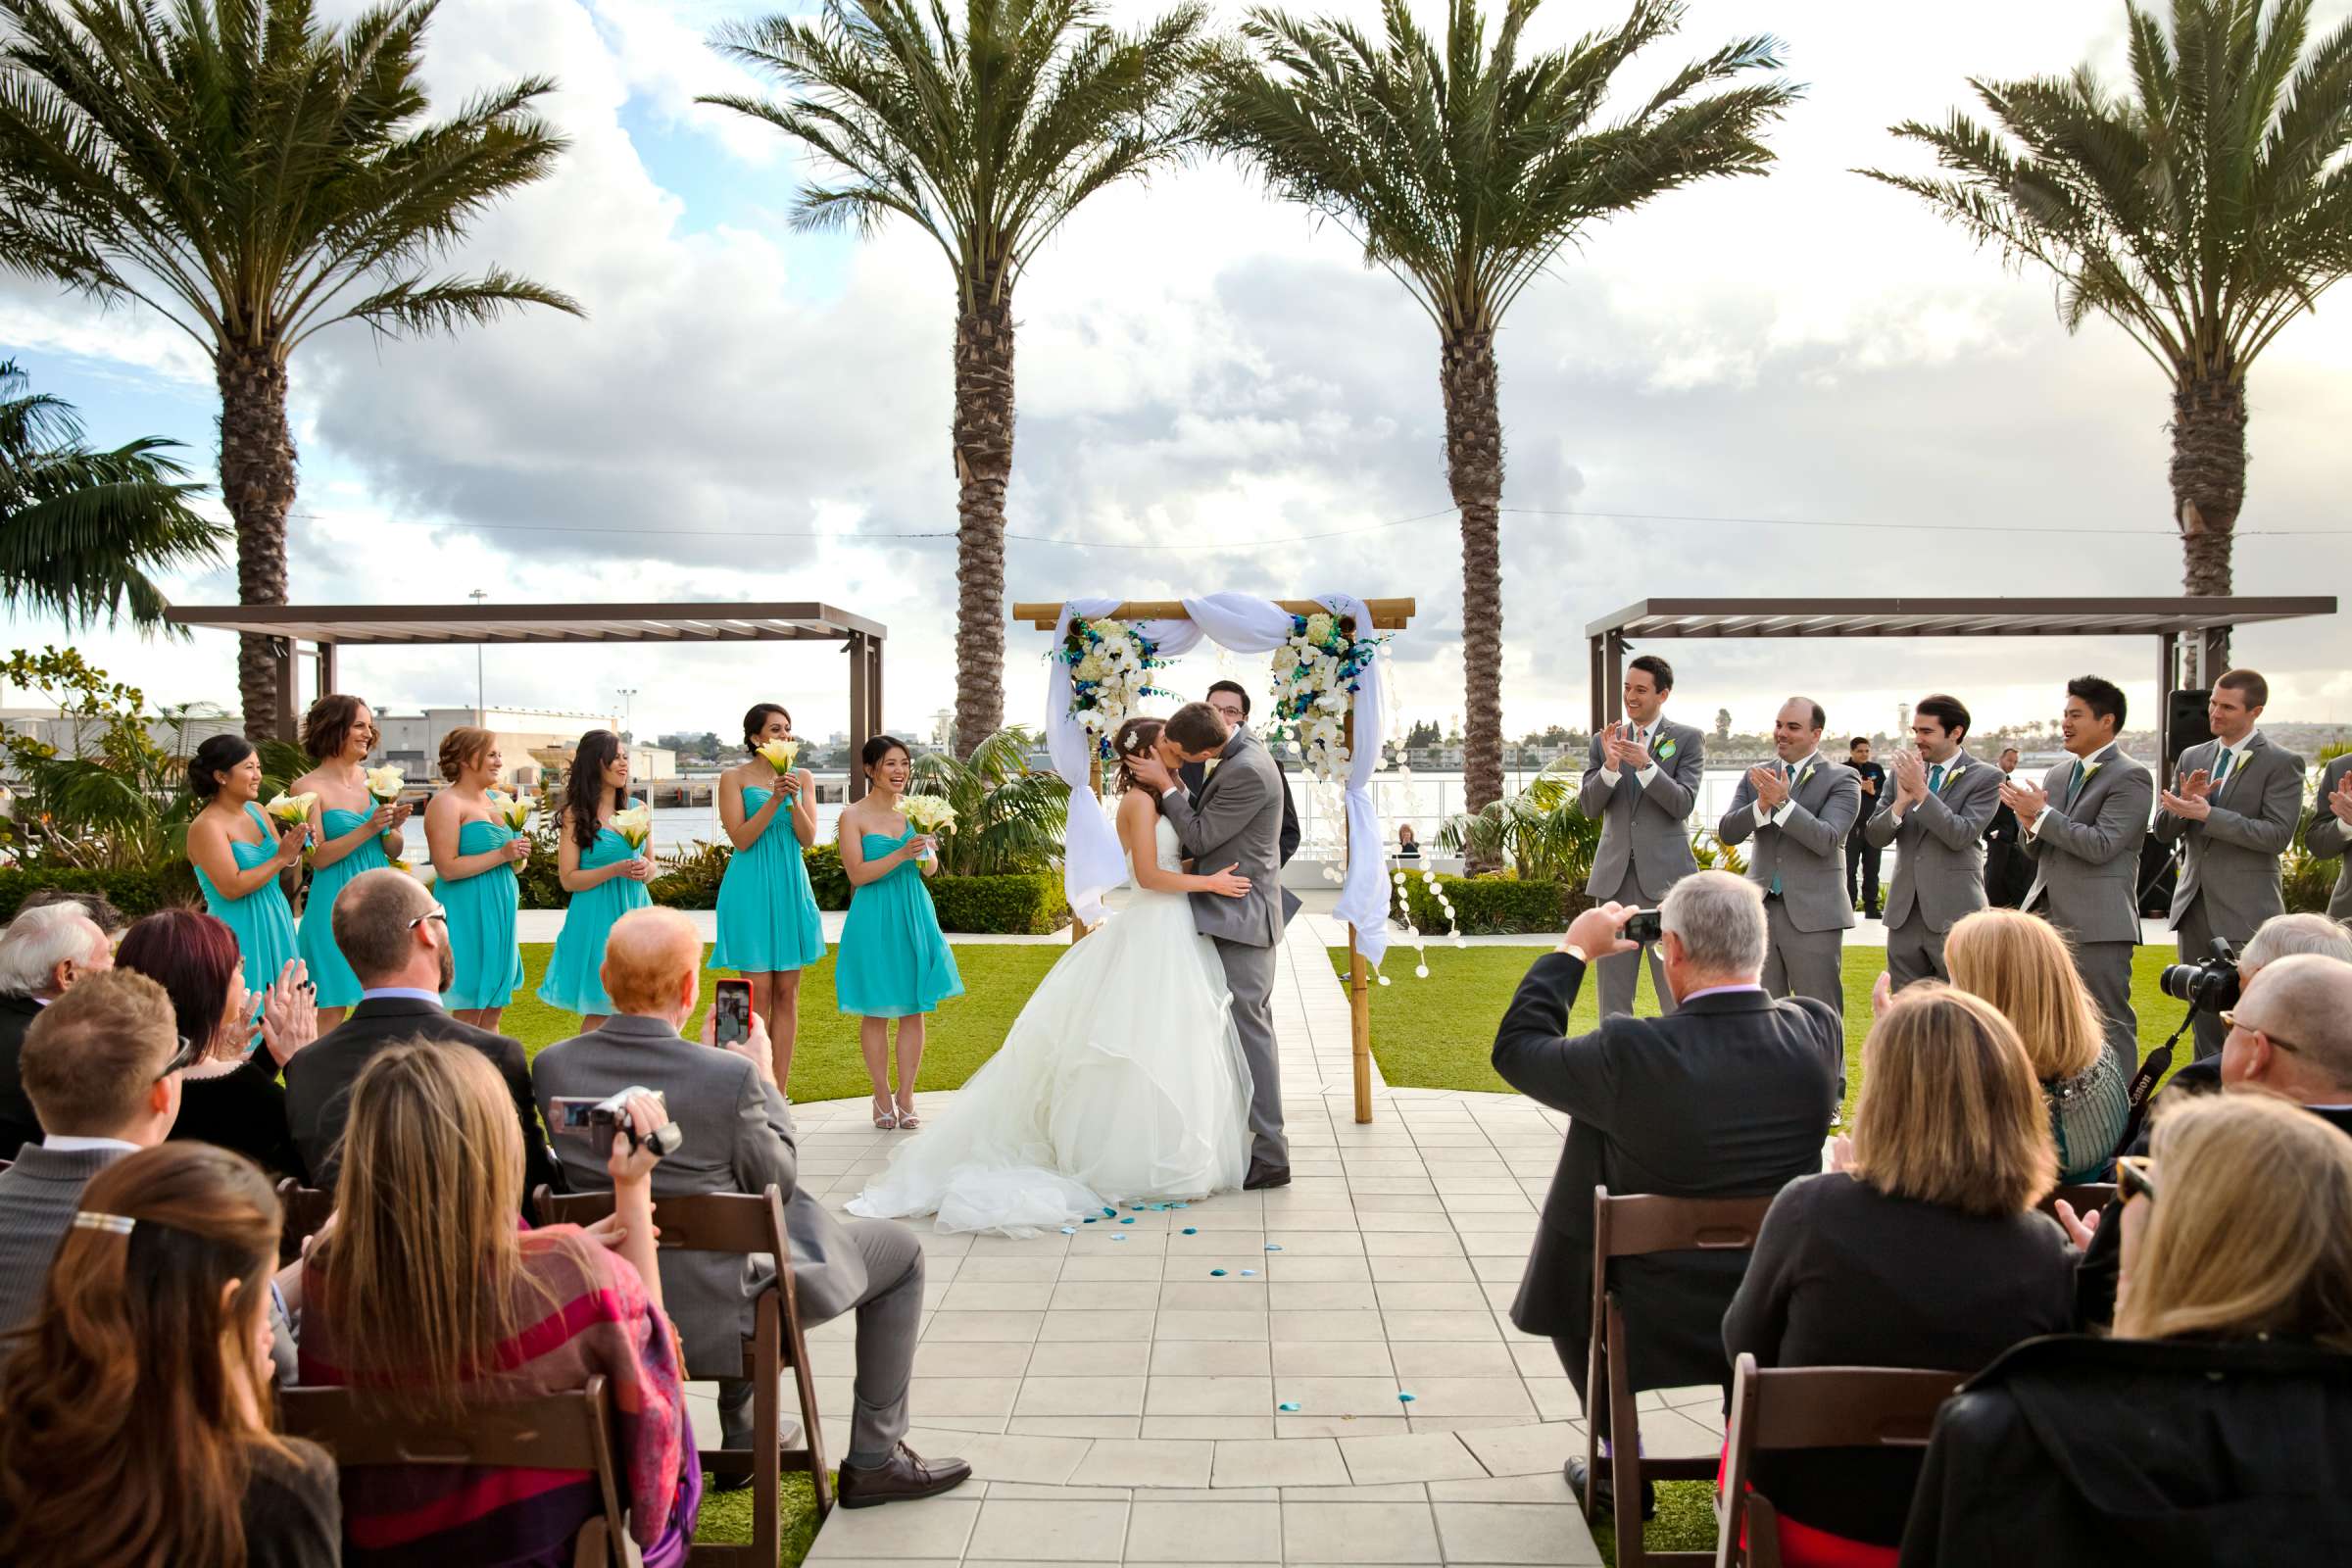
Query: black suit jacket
1192 775
320 1077
1729 1098
18 1126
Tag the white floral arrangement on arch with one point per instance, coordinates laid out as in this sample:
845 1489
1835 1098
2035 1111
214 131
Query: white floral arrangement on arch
1111 674
1316 673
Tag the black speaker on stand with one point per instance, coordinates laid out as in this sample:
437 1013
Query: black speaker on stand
2184 725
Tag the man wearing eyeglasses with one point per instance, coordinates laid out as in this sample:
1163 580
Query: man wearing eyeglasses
396 938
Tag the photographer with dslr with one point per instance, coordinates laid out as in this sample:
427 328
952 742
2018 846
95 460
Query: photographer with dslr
739 1138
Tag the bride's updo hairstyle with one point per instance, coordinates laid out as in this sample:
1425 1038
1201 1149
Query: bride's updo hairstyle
1131 739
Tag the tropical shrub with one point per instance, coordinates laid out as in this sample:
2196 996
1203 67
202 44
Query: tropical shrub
2305 879
826 879
1539 832
133 890
1010 816
1496 904
1023 904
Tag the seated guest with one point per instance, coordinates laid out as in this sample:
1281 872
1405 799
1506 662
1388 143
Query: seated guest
43 952
2215 1429
1923 1250
230 1096
1408 847
740 1138
2020 963
1730 1096
102 1068
396 939
426 1290
138 1399
2281 936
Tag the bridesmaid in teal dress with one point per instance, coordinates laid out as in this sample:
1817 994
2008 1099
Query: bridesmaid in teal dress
238 853
894 962
603 876
769 925
354 835
474 856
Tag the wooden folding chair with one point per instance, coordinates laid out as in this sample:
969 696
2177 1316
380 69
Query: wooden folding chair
2084 1196
1812 1408
306 1209
551 1431
740 1222
1630 1227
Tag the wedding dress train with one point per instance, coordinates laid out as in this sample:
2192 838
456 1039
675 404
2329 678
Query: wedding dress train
1121 1080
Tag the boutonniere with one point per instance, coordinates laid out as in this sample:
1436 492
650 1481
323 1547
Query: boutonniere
1953 775
1807 774
2090 770
1665 748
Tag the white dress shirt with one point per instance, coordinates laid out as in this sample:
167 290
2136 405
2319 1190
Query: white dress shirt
1646 739
1780 812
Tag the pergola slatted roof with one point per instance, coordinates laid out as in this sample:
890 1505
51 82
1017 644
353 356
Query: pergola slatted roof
1946 617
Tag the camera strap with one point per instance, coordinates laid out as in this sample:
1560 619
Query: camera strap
2143 1085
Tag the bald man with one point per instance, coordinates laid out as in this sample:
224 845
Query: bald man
740 1138
2291 1035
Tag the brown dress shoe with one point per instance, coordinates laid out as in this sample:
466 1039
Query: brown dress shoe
904 1474
1263 1175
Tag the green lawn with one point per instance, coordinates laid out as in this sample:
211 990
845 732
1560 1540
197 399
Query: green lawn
1438 1033
964 1032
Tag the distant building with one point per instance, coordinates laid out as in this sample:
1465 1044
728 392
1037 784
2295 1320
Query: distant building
70 736
411 742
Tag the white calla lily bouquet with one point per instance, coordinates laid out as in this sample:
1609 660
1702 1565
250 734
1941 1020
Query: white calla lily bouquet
635 824
929 813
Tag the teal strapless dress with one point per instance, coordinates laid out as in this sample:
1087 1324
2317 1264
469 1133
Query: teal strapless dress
893 959
767 916
262 920
338 985
575 983
482 950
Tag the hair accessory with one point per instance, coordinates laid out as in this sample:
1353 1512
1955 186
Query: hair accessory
118 1224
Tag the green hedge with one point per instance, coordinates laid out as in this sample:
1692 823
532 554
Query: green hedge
1486 905
136 892
1028 903
826 879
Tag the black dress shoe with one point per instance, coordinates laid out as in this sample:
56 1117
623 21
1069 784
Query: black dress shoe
903 1475
1604 1493
1262 1175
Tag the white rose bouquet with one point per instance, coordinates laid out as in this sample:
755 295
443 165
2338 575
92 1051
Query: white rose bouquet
1316 673
1110 673
929 813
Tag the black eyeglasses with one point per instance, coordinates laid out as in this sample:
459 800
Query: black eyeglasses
2134 1177
187 1055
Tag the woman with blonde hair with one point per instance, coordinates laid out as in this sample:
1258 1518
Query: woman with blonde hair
138 1398
2020 964
1921 1248
425 1290
2216 1427
475 852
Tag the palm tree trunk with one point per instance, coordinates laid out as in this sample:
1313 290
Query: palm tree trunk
2208 480
257 484
983 469
1466 375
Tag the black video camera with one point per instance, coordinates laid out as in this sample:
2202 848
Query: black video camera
599 1120
2208 987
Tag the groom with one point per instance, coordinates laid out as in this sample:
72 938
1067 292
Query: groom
1237 821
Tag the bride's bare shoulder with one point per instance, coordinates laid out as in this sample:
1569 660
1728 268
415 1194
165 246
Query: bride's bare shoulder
1137 805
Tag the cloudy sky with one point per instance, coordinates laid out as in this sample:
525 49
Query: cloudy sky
1795 384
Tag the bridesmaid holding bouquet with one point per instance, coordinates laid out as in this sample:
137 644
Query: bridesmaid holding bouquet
602 871
357 821
769 925
894 962
239 851
474 835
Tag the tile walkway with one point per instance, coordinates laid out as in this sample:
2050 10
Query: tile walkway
1121 1404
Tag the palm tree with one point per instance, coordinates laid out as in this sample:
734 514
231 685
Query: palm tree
80 530
1010 816
1463 171
2200 213
253 177
986 139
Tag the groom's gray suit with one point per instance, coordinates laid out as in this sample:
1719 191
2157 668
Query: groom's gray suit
1238 822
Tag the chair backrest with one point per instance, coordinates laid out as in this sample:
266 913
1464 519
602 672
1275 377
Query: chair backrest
1813 1408
2084 1196
709 1222
304 1209
1645 1222
548 1432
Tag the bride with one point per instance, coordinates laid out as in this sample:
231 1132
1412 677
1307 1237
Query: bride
1121 1080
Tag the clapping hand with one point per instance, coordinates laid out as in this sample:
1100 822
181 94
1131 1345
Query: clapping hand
2192 797
292 842
2339 802
1771 789
1910 777
1882 994
1631 753
289 1013
2027 801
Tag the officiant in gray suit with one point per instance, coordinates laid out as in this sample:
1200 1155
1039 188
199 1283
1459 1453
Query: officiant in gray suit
1641 784
1935 816
1799 811
1236 821
2233 809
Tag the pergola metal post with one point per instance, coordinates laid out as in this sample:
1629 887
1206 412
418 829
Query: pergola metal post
1612 685
1597 678
328 680
861 727
2168 672
287 723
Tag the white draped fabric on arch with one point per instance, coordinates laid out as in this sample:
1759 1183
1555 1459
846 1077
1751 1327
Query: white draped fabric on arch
1093 862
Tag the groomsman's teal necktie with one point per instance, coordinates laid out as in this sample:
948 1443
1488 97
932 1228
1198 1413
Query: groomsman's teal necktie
2073 783
2221 770
1935 777
1776 877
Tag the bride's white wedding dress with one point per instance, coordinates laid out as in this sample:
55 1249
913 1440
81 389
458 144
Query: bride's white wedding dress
1121 1080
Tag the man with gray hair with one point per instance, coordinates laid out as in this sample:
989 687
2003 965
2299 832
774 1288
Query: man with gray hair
1729 1096
43 952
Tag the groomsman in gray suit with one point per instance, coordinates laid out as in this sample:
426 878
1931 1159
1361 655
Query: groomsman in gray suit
1642 784
1935 816
1799 811
2082 829
2233 810
2330 833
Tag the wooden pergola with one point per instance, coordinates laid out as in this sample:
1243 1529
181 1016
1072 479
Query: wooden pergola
1388 614
327 628
2188 631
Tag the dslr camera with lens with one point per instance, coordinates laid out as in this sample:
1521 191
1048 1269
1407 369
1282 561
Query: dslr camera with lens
599 1120
2208 987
